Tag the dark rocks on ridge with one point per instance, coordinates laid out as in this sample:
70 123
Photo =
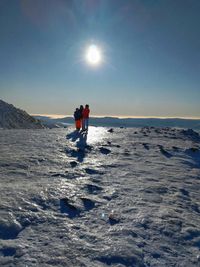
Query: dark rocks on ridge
14 118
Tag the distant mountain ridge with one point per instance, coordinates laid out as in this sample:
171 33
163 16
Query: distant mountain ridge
127 122
12 117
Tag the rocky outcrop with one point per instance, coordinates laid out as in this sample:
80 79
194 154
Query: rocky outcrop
12 117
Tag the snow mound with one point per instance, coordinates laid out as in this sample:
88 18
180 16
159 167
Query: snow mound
9 227
11 117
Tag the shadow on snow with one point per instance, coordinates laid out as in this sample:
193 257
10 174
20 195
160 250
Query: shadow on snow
81 143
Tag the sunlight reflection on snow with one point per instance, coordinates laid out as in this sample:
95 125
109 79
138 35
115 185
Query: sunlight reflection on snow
95 135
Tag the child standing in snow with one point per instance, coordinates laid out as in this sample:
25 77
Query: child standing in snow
86 112
77 119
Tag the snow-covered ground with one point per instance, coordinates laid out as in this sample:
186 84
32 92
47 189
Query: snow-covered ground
127 197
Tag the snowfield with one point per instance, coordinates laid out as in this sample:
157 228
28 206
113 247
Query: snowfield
114 197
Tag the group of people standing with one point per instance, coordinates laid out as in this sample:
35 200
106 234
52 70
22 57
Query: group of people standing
81 116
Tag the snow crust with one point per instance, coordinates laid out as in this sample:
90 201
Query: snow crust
112 197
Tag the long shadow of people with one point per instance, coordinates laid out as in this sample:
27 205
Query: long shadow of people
81 146
73 136
82 143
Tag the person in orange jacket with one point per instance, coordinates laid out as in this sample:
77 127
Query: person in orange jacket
85 122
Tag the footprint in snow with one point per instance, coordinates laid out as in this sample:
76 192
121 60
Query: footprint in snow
9 228
191 233
74 209
164 152
71 209
88 203
93 189
59 175
146 146
73 164
92 171
126 153
104 150
184 192
195 207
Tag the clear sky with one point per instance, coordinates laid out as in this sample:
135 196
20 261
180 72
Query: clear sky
150 56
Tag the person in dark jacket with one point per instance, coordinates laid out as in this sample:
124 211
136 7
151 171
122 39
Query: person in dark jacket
77 119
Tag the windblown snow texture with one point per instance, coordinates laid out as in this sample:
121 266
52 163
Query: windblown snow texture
11 117
126 197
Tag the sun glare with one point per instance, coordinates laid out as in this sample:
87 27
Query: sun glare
93 55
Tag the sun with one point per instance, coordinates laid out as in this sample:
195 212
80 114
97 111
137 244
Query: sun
93 55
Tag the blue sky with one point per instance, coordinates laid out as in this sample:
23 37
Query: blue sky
150 50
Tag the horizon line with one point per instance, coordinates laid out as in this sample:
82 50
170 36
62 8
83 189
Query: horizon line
60 116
